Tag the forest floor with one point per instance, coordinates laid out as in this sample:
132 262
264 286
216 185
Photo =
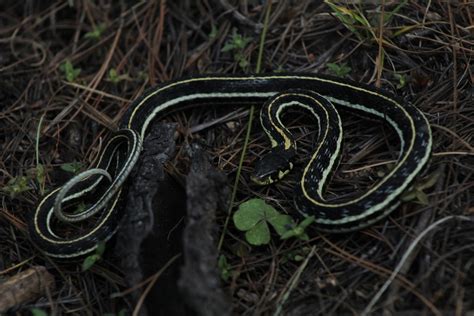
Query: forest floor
70 69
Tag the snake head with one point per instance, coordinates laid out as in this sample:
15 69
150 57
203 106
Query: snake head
273 166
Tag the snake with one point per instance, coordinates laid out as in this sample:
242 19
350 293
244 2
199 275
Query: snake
101 189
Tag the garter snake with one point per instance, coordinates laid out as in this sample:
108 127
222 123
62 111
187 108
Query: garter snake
319 95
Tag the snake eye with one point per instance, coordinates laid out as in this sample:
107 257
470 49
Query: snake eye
272 167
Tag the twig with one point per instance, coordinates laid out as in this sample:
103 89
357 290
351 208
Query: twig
294 281
400 265
249 128
240 17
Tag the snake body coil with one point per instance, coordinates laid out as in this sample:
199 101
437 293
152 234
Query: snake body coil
319 95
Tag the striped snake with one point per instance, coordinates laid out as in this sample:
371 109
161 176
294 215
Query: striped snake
318 95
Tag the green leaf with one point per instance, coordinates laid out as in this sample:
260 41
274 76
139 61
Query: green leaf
408 196
96 33
303 236
38 312
353 19
113 76
227 47
344 15
89 261
213 33
422 197
306 222
259 234
224 268
417 192
237 44
69 71
298 254
40 174
402 80
253 217
100 248
281 223
249 214
430 182
16 186
298 258
298 231
72 167
341 70
294 232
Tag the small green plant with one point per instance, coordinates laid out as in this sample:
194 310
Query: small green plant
69 71
72 167
253 218
40 174
298 230
224 268
114 77
297 254
353 19
143 75
16 186
417 193
364 25
213 33
402 80
237 45
38 312
339 70
90 260
96 33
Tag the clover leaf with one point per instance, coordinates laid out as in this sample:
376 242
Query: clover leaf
253 217
90 260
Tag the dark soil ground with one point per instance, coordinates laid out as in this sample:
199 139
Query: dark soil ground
69 70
